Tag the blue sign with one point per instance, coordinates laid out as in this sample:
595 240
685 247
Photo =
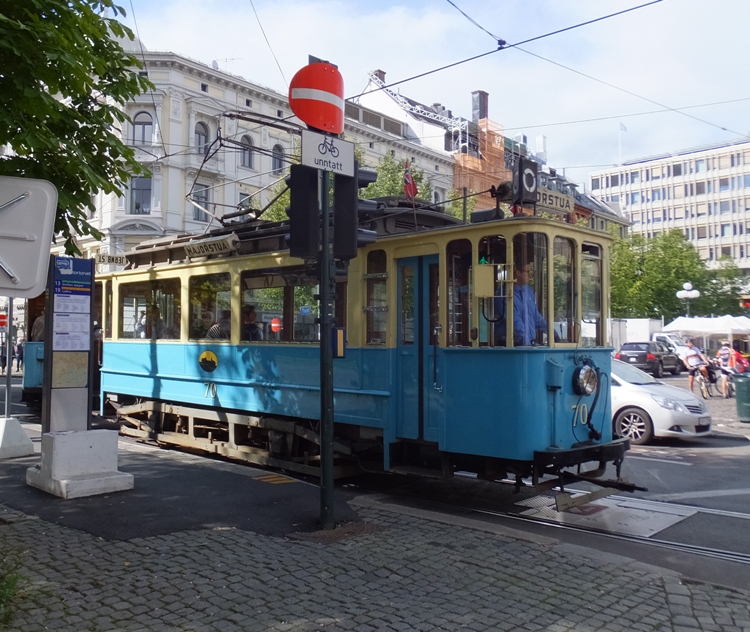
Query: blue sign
305 310
73 276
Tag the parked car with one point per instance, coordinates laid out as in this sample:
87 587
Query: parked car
643 408
650 356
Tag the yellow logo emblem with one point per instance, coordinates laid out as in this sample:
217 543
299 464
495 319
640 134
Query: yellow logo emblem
208 361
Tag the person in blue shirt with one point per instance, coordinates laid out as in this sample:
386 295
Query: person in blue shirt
526 317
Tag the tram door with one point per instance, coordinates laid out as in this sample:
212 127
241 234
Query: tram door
419 399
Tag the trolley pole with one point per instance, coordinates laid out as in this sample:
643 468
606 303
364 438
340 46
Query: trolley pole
326 363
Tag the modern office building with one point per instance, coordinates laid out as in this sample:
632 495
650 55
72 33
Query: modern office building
703 192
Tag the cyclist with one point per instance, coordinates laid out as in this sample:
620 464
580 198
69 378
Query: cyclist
695 361
728 365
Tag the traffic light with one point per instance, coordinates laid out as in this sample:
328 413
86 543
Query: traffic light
303 212
347 235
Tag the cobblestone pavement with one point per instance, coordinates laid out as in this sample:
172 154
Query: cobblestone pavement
405 569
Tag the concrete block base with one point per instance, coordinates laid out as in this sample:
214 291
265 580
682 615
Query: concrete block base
76 464
14 441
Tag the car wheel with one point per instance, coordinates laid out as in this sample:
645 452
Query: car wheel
677 369
634 424
658 370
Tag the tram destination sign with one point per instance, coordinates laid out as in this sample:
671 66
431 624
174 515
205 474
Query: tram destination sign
113 260
327 153
224 245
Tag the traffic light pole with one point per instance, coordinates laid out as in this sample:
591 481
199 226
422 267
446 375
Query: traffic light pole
326 362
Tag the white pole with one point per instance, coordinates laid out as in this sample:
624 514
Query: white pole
8 358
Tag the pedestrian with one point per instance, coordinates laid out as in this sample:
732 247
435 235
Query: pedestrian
19 355
3 355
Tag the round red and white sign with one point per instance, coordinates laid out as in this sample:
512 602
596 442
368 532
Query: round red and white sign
316 96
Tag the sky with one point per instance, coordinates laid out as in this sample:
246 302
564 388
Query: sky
579 88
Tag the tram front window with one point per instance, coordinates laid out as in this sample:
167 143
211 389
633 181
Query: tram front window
564 289
529 293
591 296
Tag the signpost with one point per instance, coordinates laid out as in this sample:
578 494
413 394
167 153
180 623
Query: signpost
316 96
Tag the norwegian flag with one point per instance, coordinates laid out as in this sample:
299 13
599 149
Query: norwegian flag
410 187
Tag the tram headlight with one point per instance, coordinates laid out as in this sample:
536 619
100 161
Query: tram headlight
585 381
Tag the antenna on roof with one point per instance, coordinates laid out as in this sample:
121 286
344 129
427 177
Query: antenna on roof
215 64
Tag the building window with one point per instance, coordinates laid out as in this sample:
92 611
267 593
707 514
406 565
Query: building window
615 180
635 197
700 188
277 159
724 206
594 183
723 184
635 177
200 196
204 87
656 195
201 138
726 230
143 128
280 113
701 232
436 197
677 169
140 196
700 166
247 155
248 103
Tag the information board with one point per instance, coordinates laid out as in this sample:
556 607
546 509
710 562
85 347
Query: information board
68 368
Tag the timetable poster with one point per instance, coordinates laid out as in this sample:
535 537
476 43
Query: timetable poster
72 292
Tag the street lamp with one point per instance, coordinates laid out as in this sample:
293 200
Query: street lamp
686 293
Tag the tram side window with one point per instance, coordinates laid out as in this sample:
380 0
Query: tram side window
150 309
262 314
492 251
564 289
458 256
210 306
281 306
377 305
591 296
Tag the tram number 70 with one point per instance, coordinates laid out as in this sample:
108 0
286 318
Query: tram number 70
581 414
210 389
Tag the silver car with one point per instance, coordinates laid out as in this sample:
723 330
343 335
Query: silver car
643 408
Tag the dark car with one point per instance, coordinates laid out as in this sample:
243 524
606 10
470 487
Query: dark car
654 357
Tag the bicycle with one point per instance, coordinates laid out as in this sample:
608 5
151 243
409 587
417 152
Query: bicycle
705 386
327 146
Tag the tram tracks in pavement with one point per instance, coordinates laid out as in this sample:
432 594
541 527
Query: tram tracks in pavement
650 541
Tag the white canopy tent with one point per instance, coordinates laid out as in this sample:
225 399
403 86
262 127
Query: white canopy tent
729 327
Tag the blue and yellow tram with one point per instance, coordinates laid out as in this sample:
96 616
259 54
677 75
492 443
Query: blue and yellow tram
212 343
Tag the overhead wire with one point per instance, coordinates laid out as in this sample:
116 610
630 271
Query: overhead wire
502 45
262 30
573 70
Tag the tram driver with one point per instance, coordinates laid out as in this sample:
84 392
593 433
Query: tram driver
527 320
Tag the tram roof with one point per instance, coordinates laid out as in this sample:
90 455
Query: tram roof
393 216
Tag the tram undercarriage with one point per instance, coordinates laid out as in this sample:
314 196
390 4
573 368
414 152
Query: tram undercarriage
273 442
294 445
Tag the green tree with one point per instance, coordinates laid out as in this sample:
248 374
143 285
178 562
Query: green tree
390 180
455 206
647 273
720 291
64 79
